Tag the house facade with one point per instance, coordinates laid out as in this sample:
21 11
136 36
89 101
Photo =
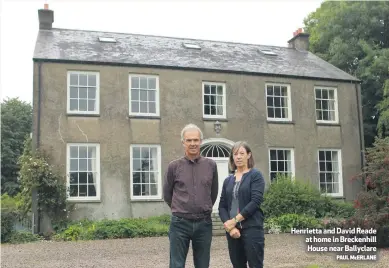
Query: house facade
109 109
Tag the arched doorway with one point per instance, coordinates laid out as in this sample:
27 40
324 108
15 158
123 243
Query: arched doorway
219 151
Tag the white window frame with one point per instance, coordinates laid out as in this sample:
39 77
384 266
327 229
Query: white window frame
291 160
97 111
97 186
336 121
289 102
224 115
159 177
157 112
340 166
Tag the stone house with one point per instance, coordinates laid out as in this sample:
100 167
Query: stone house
109 108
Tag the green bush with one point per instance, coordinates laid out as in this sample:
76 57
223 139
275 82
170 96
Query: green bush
18 237
112 229
9 214
286 196
288 221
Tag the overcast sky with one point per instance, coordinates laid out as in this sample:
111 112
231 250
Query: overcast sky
263 22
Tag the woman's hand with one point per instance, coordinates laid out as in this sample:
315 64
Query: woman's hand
228 225
234 233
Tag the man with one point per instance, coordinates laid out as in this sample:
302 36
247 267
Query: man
190 189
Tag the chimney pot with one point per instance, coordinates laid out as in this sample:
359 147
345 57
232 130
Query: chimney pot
46 18
300 40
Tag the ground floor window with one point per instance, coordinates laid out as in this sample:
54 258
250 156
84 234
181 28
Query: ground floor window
281 162
330 174
83 171
146 172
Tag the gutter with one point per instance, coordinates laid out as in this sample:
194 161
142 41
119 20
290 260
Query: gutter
122 64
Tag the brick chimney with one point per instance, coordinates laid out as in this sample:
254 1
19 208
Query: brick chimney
46 18
300 40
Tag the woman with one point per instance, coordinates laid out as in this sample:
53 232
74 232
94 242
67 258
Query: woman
239 209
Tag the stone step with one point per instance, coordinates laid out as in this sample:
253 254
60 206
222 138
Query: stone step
218 232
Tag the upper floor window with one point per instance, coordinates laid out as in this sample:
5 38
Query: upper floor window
281 162
330 172
278 102
146 181
83 92
144 95
214 100
326 105
83 171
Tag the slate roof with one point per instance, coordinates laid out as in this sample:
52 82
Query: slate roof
158 51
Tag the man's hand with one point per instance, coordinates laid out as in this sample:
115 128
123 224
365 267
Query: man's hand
228 225
234 233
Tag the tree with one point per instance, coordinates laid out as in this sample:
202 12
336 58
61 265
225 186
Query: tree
16 123
354 36
383 106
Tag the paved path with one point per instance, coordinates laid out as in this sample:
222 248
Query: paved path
281 251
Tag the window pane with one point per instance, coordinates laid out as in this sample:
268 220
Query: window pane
73 178
206 89
91 105
273 154
219 90
73 191
212 100
207 109
280 155
284 91
136 152
83 151
136 190
91 80
321 156
277 91
151 95
146 177
328 155
83 80
273 165
270 112
73 165
153 177
270 101
220 110
83 92
322 166
318 93
281 166
145 152
134 94
143 82
134 82
73 151
136 177
136 164
91 165
153 189
83 177
73 104
324 94
269 90
318 105
74 79
91 151
92 177
277 112
207 100
213 89
219 100
135 106
277 102
152 83
331 94
83 105
145 189
143 95
92 93
213 110
82 165
152 108
73 92
143 107
91 190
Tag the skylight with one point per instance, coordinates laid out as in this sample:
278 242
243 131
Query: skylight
107 39
268 52
191 46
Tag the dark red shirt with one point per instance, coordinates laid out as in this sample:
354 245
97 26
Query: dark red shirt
190 187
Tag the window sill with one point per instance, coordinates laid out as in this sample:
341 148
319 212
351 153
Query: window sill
215 119
144 117
280 122
84 200
147 200
334 196
82 115
329 124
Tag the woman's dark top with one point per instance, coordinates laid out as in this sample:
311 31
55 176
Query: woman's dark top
246 200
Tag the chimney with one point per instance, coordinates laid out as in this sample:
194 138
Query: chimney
300 40
46 18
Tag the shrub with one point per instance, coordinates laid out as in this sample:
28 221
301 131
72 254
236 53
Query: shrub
288 221
9 214
18 237
111 229
372 204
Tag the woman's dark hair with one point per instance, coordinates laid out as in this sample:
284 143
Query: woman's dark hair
237 145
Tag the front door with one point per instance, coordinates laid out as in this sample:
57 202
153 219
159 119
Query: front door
222 170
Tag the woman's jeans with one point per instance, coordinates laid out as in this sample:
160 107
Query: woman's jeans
249 248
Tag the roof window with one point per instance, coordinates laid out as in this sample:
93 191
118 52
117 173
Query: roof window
107 39
191 46
268 52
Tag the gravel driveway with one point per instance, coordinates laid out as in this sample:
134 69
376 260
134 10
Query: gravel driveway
283 250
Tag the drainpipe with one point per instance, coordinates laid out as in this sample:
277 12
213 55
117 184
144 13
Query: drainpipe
360 124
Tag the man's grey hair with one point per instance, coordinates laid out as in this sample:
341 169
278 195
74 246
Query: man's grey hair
191 127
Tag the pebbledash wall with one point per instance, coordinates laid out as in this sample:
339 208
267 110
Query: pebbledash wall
180 101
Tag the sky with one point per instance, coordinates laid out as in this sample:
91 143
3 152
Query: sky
265 22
